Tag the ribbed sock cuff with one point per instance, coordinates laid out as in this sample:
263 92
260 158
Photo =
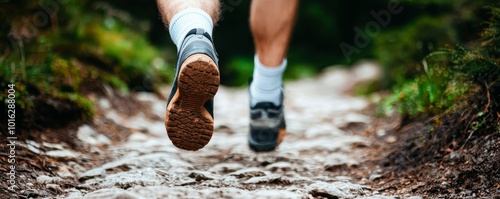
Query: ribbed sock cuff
267 82
186 20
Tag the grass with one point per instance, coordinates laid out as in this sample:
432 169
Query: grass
450 78
86 48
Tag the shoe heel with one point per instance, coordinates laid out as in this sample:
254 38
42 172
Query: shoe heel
189 124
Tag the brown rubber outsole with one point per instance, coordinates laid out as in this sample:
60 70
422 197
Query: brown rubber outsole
189 125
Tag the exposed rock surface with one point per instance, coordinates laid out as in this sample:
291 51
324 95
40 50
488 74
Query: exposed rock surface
326 134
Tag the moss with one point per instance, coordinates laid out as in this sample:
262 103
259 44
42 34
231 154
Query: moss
428 94
65 75
55 63
367 88
124 52
452 76
86 105
116 83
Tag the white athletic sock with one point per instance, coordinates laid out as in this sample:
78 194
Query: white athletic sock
186 20
266 83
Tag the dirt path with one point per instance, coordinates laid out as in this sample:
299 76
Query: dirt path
331 135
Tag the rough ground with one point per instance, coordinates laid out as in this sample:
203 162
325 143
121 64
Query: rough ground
332 139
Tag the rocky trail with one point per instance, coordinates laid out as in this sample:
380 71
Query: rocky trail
332 139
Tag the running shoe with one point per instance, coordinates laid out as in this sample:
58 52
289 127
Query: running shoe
267 125
189 118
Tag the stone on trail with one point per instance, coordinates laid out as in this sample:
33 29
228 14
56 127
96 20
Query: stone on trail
125 180
113 193
274 179
279 166
202 176
352 118
88 135
380 197
158 192
93 173
248 173
54 187
154 160
138 137
157 105
73 194
323 130
43 179
64 155
33 146
337 161
226 167
335 189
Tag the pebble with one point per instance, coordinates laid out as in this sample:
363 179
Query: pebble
113 193
73 194
114 116
226 167
323 130
381 132
125 180
275 179
201 176
91 174
335 189
88 135
64 173
374 176
44 179
30 193
339 161
54 187
33 146
279 166
104 103
247 173
138 137
391 139
64 154
53 146
153 160
352 118
454 155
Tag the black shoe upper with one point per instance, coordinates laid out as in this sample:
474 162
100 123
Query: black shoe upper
197 41
266 122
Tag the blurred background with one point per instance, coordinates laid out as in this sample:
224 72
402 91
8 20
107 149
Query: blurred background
61 50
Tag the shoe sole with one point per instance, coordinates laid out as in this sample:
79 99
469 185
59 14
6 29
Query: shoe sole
189 125
259 147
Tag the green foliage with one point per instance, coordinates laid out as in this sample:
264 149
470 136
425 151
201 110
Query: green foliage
241 67
491 34
451 76
85 46
401 51
300 70
432 93
433 25
126 53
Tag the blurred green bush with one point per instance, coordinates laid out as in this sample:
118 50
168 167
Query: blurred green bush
455 78
60 55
